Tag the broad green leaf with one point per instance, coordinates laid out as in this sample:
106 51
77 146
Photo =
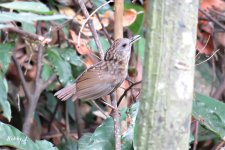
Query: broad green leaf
210 113
4 103
10 136
5 56
35 7
102 138
47 71
103 41
138 24
28 27
28 17
84 140
98 3
62 67
69 54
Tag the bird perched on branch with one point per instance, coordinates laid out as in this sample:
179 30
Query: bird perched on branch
104 77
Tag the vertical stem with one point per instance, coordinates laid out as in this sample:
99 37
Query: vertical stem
78 118
91 26
118 15
118 33
116 120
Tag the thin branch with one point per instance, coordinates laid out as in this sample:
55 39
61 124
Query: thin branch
212 19
207 58
116 120
104 29
89 16
91 26
29 35
24 83
53 116
218 93
196 136
125 92
39 63
78 119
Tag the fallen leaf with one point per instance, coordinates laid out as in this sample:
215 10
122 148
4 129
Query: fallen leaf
129 17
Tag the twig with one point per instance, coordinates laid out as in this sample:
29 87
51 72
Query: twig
29 35
116 120
212 19
104 29
88 17
78 119
220 145
207 58
53 116
24 83
39 63
91 26
125 92
220 89
196 136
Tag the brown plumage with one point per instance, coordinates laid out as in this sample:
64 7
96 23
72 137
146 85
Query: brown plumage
105 76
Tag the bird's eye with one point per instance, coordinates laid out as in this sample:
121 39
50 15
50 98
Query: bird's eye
124 45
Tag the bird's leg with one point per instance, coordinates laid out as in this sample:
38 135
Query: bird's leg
103 101
99 108
129 80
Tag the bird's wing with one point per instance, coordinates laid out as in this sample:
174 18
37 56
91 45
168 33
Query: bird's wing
96 82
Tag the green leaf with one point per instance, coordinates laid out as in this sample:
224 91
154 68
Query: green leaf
98 3
62 68
103 41
4 103
210 113
102 138
84 140
138 23
70 55
28 17
28 27
47 72
10 136
5 56
35 7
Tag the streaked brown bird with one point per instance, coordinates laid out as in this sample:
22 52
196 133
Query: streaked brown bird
105 76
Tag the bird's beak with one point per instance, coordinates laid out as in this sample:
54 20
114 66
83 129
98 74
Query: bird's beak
135 38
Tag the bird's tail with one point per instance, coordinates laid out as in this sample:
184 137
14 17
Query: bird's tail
66 92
